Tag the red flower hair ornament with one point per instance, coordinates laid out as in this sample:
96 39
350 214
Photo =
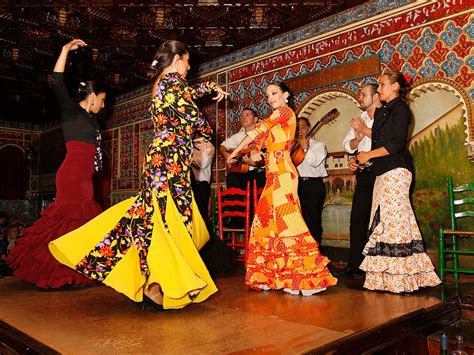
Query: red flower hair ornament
407 78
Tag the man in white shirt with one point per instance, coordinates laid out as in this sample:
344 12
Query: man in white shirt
358 139
256 170
311 171
203 155
216 255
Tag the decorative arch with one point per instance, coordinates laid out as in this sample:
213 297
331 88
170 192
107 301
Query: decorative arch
338 185
321 102
14 145
437 83
323 96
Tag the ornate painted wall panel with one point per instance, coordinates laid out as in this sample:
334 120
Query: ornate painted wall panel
430 41
305 33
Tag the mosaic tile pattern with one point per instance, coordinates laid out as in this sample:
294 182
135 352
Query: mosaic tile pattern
419 53
442 49
306 32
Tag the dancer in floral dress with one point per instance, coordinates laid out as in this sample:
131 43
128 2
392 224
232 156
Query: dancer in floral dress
146 247
395 259
282 254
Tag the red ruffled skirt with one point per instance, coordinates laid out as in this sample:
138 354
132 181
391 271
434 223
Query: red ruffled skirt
74 205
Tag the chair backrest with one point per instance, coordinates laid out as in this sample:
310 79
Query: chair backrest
232 202
461 201
257 192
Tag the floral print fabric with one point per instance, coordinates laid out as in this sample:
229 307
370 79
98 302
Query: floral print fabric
395 258
166 171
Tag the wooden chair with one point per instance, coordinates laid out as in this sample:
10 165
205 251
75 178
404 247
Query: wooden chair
213 209
233 203
461 205
257 192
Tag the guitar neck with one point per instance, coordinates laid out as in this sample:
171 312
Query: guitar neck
313 130
308 136
325 119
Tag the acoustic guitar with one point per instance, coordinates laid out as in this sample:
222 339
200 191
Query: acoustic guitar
297 153
239 166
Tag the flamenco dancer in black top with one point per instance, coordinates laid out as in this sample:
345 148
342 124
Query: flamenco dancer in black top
74 205
395 258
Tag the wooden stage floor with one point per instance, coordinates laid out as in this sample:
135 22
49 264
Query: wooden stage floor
98 320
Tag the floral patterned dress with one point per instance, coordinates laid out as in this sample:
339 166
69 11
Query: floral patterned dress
282 252
155 235
395 258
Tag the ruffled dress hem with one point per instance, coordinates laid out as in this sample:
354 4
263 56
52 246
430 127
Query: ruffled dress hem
30 259
304 269
173 259
399 274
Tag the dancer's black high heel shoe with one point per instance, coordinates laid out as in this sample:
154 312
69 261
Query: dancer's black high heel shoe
153 297
148 302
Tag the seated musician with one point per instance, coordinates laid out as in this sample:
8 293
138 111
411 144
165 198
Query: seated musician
246 170
311 170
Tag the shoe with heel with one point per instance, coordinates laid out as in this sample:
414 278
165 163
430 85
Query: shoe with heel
148 302
155 301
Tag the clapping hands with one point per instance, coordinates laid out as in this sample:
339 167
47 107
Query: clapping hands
358 124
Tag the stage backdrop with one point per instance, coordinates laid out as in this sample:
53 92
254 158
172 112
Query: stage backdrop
430 41
325 64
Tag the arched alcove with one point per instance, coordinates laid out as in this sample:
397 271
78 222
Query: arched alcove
321 102
338 185
438 103
14 175
340 181
442 130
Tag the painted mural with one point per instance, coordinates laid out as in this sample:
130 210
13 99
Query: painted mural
438 151
431 43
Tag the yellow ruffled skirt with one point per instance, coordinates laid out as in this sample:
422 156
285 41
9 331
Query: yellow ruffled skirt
173 259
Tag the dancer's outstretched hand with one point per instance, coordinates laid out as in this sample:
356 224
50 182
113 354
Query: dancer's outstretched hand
71 46
74 44
221 94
